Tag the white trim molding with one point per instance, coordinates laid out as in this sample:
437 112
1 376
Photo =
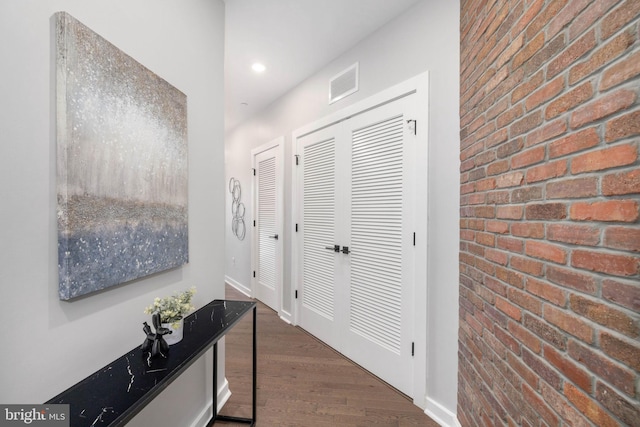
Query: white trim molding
238 286
224 393
440 414
205 415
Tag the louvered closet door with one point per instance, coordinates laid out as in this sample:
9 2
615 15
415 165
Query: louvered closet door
322 285
380 271
269 252
357 191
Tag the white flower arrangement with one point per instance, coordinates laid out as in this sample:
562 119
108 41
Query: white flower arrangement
173 308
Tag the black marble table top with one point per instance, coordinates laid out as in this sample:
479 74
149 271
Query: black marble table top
115 393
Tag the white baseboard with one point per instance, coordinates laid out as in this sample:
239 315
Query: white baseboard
223 394
440 414
285 317
205 415
240 287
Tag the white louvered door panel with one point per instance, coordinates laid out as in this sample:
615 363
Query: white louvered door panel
380 267
319 224
268 256
376 232
267 221
320 300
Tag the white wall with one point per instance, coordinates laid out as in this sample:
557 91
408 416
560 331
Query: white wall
426 37
48 345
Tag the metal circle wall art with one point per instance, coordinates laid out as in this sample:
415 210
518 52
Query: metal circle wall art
237 209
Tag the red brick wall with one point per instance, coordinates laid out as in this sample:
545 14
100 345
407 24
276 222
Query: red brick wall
550 233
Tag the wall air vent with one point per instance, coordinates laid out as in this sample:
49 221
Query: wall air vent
344 84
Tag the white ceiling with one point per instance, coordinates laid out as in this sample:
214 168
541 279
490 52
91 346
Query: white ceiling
293 39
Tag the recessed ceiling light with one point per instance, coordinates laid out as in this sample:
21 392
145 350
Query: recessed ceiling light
258 67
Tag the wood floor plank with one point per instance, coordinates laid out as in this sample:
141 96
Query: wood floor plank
304 383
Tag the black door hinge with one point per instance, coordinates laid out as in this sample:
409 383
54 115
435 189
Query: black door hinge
297 156
296 294
414 238
296 228
254 171
254 273
413 349
413 125
254 224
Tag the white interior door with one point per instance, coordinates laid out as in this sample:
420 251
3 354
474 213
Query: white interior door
356 187
268 227
379 333
320 235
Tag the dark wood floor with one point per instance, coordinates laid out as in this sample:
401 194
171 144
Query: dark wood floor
303 382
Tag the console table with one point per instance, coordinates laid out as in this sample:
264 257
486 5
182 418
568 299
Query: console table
117 392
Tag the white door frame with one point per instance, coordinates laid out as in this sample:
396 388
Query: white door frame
420 86
278 143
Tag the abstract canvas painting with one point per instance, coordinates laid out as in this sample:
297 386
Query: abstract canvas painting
122 169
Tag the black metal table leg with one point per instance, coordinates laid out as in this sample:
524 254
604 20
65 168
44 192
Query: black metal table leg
215 381
255 364
251 421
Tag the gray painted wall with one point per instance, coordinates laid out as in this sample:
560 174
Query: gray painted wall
48 345
426 37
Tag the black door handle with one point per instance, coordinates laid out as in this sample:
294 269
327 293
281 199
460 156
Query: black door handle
334 248
275 236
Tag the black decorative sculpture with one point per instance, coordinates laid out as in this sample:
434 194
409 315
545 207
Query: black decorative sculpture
148 341
155 343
